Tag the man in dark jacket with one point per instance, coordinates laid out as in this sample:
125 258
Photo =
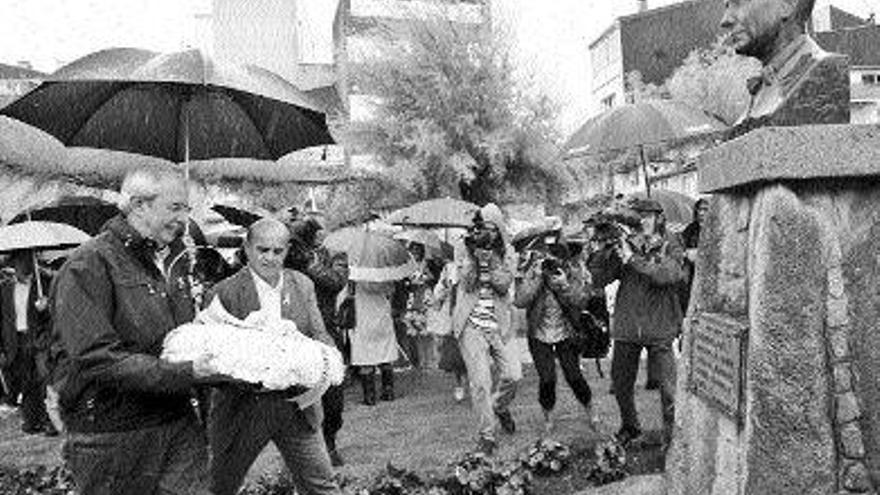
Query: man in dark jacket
132 427
329 272
242 421
24 338
647 313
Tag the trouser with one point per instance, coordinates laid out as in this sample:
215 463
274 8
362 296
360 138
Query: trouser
544 357
479 349
333 402
237 438
167 459
625 367
26 380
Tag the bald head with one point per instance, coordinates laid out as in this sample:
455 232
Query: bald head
268 227
266 247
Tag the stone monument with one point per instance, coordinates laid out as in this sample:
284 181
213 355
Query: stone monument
779 384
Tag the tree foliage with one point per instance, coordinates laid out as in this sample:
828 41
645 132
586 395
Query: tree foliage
451 119
714 79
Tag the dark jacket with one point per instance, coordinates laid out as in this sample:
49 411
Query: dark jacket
532 293
238 294
111 309
646 308
38 322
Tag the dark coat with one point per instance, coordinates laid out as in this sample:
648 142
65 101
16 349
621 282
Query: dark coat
111 309
238 294
38 322
647 308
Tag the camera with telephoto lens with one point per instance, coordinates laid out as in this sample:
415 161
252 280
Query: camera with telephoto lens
551 265
479 235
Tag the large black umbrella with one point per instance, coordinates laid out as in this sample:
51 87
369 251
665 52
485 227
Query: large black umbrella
86 213
639 124
178 106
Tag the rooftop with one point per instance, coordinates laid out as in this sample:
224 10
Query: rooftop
861 44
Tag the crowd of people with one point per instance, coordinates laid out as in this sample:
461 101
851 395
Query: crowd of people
91 336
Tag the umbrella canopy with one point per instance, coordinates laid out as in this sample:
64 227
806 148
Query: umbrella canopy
434 247
420 236
372 256
178 106
545 227
86 213
237 216
635 124
678 208
40 235
441 212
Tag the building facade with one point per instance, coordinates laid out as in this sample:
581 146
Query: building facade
861 43
651 42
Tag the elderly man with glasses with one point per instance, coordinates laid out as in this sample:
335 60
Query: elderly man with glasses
131 427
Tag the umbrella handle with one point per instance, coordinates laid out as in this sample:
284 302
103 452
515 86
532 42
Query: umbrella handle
37 275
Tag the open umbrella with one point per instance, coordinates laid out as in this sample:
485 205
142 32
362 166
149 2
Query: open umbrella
39 235
677 208
545 227
639 124
237 216
372 256
178 106
86 213
441 212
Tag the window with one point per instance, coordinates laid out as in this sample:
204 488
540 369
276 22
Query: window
608 101
871 79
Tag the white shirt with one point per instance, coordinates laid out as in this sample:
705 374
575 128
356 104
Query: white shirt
20 294
270 297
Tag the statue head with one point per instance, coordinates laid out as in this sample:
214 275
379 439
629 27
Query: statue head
756 27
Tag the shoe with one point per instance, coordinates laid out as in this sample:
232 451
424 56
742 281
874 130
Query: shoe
368 384
49 430
336 459
31 429
507 422
628 435
458 394
487 445
387 375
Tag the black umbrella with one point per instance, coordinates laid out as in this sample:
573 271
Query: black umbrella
179 106
86 213
237 216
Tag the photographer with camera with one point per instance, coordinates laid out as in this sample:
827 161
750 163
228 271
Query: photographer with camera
649 263
554 288
481 322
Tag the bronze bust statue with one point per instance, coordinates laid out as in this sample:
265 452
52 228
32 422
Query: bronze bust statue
800 83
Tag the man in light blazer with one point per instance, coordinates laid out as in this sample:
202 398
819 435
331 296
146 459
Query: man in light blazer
244 421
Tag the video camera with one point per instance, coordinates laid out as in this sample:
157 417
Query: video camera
479 235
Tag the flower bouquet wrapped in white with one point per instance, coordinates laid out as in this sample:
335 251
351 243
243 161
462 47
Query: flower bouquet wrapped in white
260 350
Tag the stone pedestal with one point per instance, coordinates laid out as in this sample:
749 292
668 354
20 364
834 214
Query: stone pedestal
790 254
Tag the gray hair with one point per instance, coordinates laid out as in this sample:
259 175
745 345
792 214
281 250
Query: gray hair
145 183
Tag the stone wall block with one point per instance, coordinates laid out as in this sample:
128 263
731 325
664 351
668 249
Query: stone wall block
791 445
851 444
836 287
843 378
847 408
855 477
838 311
839 337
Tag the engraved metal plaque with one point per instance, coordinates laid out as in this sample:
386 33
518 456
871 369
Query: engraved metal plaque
718 355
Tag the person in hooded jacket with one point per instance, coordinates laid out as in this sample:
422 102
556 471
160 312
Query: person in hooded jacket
481 322
647 313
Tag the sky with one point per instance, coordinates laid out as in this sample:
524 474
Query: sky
551 36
